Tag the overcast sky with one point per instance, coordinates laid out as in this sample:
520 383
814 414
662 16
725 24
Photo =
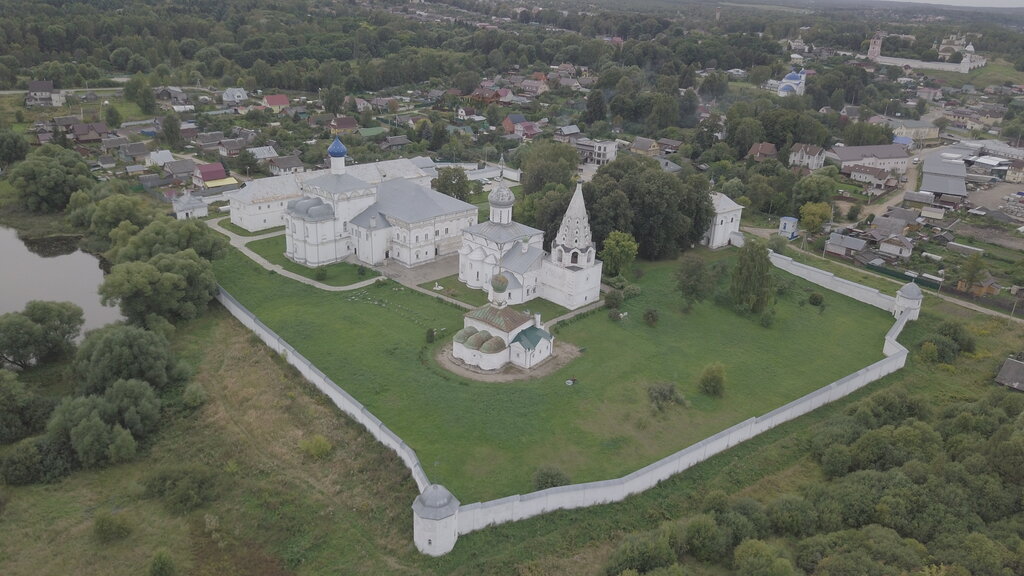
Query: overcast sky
970 3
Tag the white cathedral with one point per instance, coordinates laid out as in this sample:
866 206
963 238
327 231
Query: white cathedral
397 219
569 276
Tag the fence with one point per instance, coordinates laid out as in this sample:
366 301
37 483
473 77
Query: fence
341 399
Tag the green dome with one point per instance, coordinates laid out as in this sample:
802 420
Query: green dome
493 345
499 283
462 335
477 340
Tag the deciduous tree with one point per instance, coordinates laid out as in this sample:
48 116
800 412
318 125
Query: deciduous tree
46 179
620 249
452 182
694 280
751 285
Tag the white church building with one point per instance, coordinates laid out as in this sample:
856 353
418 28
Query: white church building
381 218
725 227
495 335
570 275
263 202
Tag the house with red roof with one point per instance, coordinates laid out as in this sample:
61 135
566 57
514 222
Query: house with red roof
276 102
207 173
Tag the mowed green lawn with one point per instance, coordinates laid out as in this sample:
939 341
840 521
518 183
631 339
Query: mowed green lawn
485 440
338 274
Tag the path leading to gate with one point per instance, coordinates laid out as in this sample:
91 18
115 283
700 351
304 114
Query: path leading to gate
239 242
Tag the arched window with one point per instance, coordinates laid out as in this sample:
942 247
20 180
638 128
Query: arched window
575 257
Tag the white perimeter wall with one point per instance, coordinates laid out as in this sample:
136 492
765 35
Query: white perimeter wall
479 515
341 399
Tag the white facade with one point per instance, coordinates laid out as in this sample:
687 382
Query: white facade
495 335
726 224
262 203
569 276
890 157
808 155
398 219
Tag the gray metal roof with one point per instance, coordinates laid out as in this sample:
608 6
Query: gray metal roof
940 166
847 242
502 233
857 153
1011 374
911 291
409 202
311 209
520 261
335 183
942 184
435 503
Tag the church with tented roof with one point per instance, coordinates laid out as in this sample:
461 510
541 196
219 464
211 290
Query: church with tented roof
570 275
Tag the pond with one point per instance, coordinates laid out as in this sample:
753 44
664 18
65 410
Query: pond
54 270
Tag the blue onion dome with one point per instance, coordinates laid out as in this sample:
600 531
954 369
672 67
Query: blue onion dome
337 149
793 76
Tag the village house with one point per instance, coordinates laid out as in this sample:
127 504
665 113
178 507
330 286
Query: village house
342 125
567 134
231 147
984 286
285 165
807 155
395 142
511 121
262 154
876 180
208 140
897 245
207 173
843 245
134 152
645 147
234 96
176 95
42 93
180 170
275 102
762 151
599 152
668 145
1015 172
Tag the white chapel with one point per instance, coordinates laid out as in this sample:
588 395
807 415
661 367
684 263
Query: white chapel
569 276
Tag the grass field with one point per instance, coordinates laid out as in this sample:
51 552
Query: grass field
997 71
231 227
339 274
459 291
278 512
485 440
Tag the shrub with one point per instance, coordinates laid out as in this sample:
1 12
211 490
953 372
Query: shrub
778 244
712 380
316 446
617 282
946 349
22 464
631 291
704 539
792 515
361 271
181 488
929 352
320 273
613 299
162 564
854 212
642 553
614 315
651 316
835 461
767 319
4 499
109 528
958 333
815 299
549 477
194 395
430 335
663 394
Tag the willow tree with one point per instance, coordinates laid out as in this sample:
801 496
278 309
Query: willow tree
751 287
